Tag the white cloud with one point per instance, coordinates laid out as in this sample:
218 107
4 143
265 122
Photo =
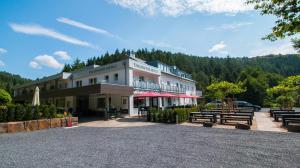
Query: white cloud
220 47
230 26
85 27
45 60
62 55
2 64
236 25
161 44
35 65
42 31
184 7
283 48
157 43
3 51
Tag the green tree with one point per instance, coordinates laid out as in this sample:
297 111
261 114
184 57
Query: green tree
288 19
223 89
286 92
4 97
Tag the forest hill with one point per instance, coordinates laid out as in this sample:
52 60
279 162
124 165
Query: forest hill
257 73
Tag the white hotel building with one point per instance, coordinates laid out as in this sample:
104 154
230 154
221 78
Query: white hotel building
124 85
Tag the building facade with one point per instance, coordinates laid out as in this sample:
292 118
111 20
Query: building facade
125 85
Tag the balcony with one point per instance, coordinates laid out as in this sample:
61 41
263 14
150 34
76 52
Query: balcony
199 93
141 85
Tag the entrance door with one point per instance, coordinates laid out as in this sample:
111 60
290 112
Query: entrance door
82 105
124 105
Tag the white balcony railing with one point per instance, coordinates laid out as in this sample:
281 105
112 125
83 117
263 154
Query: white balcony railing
142 85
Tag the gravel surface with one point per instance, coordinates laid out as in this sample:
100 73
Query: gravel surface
149 146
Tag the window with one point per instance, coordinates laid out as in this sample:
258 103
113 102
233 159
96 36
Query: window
106 78
141 78
101 103
168 83
138 102
116 77
177 84
79 83
124 101
93 81
169 101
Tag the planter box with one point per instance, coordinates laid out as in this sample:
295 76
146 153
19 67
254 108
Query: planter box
55 122
242 126
74 121
63 122
207 124
293 128
3 128
15 127
31 125
44 124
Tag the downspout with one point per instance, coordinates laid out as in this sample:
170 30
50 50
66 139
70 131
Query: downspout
126 82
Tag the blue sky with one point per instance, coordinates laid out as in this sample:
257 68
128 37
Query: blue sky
38 37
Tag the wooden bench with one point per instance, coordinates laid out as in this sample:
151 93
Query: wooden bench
203 115
246 112
290 118
277 115
278 110
235 117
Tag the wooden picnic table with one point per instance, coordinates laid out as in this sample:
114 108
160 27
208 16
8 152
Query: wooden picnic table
288 118
235 117
203 115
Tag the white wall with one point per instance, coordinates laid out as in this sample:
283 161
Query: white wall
190 86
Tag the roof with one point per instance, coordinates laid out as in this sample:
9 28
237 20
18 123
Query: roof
62 75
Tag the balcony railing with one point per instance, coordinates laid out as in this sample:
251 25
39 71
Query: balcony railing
199 93
141 85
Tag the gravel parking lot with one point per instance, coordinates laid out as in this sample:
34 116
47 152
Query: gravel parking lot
154 146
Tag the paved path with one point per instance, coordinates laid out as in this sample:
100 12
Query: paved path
265 123
155 146
120 122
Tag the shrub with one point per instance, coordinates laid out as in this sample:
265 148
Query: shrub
45 111
36 113
52 111
28 112
59 115
11 112
4 97
169 115
3 113
19 112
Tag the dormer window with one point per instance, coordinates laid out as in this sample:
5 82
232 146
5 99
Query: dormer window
106 78
79 83
116 77
141 79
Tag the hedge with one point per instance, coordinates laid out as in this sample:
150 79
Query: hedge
177 115
20 112
4 97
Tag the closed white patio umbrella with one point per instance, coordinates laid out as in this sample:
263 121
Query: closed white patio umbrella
36 97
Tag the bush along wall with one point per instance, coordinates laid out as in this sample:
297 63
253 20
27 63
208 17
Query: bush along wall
20 112
177 115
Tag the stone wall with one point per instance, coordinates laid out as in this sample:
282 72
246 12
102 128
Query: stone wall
32 125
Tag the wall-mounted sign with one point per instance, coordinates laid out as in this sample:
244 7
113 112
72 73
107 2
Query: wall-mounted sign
104 68
144 67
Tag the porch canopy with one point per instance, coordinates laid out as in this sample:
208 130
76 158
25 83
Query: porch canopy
187 96
153 94
156 94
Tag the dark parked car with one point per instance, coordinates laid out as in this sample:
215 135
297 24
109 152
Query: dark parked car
215 103
246 104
